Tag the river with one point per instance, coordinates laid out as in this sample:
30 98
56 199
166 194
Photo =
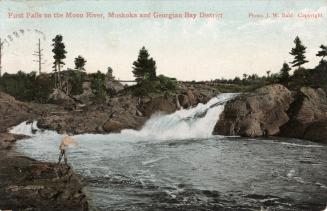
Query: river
175 163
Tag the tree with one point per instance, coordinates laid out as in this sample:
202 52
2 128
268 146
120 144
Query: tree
245 76
110 73
298 52
98 86
284 73
323 52
268 73
59 54
144 67
80 63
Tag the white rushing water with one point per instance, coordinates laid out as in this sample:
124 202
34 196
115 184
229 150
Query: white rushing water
196 122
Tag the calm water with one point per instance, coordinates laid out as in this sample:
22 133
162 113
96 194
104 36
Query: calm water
174 163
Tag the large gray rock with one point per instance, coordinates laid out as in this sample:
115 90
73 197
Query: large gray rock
112 126
87 96
61 98
307 115
13 112
113 86
158 104
260 113
317 131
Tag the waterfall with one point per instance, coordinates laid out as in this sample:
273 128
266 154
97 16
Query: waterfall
192 123
196 122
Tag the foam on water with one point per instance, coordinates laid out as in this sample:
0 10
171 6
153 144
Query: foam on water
196 122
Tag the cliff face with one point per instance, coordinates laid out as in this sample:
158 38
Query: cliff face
274 110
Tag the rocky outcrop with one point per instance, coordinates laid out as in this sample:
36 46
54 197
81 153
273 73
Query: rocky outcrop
7 140
61 98
317 131
273 110
87 95
113 86
27 184
95 118
12 112
158 104
307 113
119 112
112 126
260 113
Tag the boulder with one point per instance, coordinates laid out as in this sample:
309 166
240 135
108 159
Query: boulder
260 113
113 86
13 112
159 104
317 131
183 101
87 96
60 97
306 113
112 126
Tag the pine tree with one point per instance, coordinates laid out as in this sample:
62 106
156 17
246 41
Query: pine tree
284 73
323 52
144 67
80 63
59 54
298 52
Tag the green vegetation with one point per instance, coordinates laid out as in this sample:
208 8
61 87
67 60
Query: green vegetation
98 86
27 86
298 52
323 52
80 63
284 74
144 70
37 88
59 54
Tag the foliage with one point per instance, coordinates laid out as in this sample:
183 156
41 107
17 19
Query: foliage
167 83
298 52
80 63
27 86
144 68
98 86
75 80
284 73
160 85
300 78
59 54
323 52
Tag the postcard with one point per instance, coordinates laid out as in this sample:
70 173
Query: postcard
163 105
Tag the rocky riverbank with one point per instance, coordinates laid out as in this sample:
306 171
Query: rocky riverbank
34 185
122 111
276 111
27 184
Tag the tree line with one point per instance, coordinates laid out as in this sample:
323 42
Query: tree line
33 87
300 77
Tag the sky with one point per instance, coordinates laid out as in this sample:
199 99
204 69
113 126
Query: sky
184 48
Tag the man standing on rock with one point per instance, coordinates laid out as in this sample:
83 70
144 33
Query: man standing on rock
65 143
